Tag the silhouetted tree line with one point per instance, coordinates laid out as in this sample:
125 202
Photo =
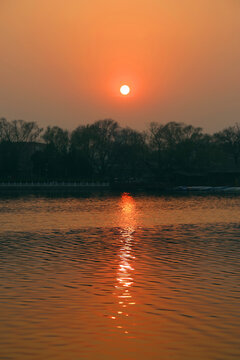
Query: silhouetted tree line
105 151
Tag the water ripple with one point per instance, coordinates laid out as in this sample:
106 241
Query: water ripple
125 289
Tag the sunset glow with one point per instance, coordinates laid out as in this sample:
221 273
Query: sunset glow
120 179
124 89
76 63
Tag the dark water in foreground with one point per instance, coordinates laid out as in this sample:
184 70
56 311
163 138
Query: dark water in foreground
121 278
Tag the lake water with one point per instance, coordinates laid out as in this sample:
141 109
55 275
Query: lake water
119 277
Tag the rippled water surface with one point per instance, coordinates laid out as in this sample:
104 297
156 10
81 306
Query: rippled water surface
119 277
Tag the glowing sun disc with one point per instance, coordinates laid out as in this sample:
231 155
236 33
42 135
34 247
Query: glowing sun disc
124 89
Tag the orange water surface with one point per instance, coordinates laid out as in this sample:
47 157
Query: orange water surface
121 277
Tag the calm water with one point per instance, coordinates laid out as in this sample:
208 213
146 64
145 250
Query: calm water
120 278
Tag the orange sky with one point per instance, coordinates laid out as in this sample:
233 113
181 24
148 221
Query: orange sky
62 62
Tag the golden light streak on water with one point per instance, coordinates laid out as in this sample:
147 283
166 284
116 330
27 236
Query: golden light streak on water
125 270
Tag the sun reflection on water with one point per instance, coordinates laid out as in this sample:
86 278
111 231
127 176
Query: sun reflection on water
125 271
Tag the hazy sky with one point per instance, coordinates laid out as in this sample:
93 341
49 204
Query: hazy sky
62 62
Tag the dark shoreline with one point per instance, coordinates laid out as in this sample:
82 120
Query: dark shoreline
33 188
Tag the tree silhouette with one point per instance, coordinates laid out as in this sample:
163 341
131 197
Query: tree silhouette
106 151
229 140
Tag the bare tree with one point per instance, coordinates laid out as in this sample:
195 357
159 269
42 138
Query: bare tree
229 139
19 131
4 130
57 137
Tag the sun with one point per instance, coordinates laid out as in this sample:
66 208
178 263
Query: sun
124 89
